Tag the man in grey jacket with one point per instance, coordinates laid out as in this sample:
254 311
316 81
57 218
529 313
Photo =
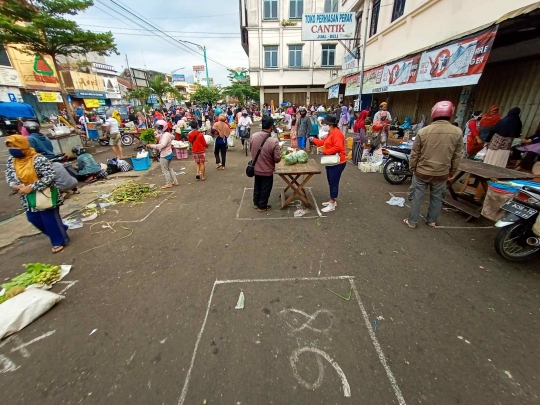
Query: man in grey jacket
304 128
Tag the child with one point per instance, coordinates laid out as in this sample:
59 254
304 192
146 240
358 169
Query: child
198 148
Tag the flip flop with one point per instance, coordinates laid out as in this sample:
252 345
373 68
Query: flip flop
219 166
57 249
175 184
406 222
166 186
432 224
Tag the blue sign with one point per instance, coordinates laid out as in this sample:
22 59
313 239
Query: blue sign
12 97
152 99
69 99
90 94
178 78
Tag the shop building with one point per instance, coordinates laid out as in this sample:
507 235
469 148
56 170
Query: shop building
9 79
39 85
281 65
484 53
110 82
84 89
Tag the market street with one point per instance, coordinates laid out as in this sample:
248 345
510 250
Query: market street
435 315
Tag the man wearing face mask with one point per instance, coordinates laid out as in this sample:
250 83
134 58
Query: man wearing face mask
304 128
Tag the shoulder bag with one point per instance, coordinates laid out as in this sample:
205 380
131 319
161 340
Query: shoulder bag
250 169
330 160
43 199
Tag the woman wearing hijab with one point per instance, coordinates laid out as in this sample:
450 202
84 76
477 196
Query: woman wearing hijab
164 146
359 137
344 119
141 120
27 172
378 116
378 129
221 131
333 144
488 122
504 133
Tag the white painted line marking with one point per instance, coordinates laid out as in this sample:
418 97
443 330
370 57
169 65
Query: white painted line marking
199 336
320 264
22 347
265 280
6 365
377 346
315 201
317 384
241 201
310 318
69 285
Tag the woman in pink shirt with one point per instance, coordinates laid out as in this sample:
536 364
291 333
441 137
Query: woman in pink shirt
165 153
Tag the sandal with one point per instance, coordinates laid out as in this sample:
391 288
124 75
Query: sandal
166 186
57 249
406 222
222 168
219 166
203 179
175 184
432 224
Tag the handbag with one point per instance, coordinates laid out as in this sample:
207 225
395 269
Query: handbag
43 199
330 160
250 169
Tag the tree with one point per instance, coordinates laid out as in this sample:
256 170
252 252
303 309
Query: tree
39 27
140 94
241 89
205 95
161 87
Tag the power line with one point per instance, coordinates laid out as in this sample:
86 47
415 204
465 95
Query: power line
142 29
176 37
160 18
130 11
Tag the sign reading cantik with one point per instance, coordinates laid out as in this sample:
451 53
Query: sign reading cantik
325 26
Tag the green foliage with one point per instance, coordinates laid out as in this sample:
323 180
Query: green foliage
242 91
45 31
141 94
148 136
36 273
205 95
161 87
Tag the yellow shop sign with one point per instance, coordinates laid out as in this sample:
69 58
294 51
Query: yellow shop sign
91 102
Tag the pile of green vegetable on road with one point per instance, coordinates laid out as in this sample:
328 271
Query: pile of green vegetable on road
36 273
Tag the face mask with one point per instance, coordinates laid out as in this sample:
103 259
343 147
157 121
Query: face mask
16 153
245 115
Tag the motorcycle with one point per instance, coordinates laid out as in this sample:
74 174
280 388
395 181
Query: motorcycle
396 169
516 240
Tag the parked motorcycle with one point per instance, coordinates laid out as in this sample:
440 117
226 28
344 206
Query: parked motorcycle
396 169
516 240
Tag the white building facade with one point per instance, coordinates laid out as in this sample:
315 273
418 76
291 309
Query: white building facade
284 68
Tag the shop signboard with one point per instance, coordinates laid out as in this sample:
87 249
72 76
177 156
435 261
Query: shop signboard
350 62
111 85
328 26
90 94
459 63
333 91
49 97
34 71
91 102
198 68
352 85
9 77
176 77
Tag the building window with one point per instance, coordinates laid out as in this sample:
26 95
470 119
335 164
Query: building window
295 55
358 29
296 9
4 58
330 6
374 17
399 8
271 56
328 55
270 9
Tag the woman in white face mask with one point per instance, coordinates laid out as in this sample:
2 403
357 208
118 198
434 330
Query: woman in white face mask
165 153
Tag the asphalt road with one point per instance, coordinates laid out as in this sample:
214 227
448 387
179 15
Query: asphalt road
435 316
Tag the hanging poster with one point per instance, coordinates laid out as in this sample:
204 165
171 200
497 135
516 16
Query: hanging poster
352 85
459 63
333 91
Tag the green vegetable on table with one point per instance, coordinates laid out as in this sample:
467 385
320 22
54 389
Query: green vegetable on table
290 159
302 156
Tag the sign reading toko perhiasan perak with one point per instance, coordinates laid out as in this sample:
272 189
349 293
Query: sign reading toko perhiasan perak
458 63
325 26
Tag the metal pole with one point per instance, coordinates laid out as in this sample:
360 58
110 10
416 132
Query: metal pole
129 70
361 76
206 67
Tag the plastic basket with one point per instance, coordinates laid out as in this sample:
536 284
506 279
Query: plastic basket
140 164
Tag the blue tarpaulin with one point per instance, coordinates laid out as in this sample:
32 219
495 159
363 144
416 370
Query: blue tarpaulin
17 110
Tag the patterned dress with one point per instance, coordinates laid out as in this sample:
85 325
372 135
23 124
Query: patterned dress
45 173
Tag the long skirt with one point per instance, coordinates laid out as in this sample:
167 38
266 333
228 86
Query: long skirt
50 223
357 153
497 157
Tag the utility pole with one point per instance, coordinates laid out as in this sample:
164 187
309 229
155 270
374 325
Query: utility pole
361 76
129 70
206 67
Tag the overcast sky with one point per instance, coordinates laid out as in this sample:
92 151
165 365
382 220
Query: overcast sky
212 23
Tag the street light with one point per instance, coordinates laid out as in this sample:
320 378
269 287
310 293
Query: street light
202 48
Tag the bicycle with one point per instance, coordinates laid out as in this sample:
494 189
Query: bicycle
245 134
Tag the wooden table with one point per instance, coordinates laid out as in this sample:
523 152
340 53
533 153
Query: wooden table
481 173
291 174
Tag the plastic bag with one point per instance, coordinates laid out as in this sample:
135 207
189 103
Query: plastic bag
230 141
290 159
480 156
397 201
209 140
23 309
302 156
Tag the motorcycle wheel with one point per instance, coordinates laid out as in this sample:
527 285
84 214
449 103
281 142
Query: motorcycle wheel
511 244
127 140
393 178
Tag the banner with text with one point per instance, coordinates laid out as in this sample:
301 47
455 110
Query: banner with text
350 62
325 26
459 63
352 85
333 91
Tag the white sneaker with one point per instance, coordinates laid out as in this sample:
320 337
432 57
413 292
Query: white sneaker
329 208
326 204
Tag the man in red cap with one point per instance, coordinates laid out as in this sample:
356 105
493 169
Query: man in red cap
434 160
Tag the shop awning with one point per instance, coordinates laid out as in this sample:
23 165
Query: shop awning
337 80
